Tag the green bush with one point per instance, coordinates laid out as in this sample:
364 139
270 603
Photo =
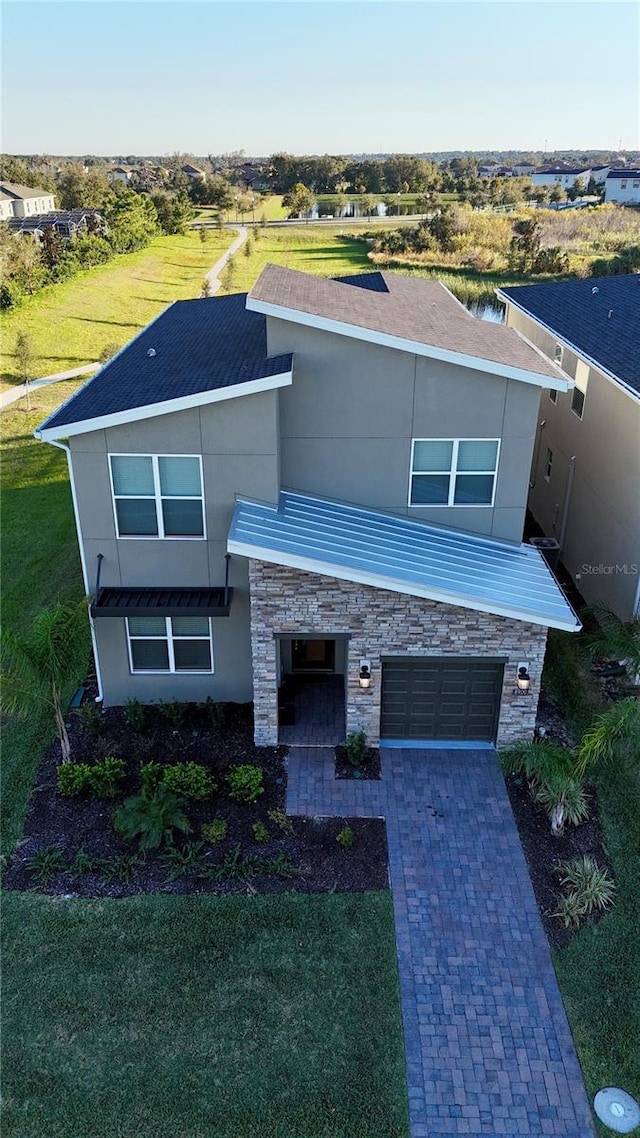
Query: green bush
189 779
245 783
91 717
281 820
588 888
135 715
174 712
260 832
212 712
215 831
152 817
105 777
150 775
346 838
45 864
73 779
356 744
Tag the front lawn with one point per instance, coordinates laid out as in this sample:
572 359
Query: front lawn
71 323
239 1017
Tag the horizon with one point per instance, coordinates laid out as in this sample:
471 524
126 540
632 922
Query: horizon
365 78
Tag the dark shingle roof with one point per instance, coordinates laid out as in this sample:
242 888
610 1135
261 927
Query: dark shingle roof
599 316
375 282
617 174
199 345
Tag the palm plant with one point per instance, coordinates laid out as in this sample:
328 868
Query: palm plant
615 639
615 736
152 817
555 779
42 667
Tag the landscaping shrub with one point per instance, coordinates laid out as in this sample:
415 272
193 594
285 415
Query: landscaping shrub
260 832
45 864
245 783
105 777
215 831
213 713
173 711
73 779
150 775
135 715
192 780
588 886
91 717
281 820
356 745
184 859
152 817
346 838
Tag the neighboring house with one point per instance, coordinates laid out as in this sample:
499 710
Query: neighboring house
585 479
324 475
119 174
600 174
67 222
560 176
623 186
24 201
193 173
523 169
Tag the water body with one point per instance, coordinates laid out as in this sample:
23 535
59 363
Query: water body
328 210
493 313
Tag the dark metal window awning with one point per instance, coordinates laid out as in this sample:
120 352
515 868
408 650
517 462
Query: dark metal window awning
110 601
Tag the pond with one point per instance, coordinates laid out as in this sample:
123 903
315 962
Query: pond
330 210
493 313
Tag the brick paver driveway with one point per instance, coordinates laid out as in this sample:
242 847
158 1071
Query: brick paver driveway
488 1046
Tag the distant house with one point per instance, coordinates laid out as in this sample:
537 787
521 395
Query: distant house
564 176
119 174
586 461
523 169
600 174
623 186
193 173
488 169
24 201
67 222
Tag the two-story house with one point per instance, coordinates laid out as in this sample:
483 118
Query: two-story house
585 477
24 201
322 476
623 187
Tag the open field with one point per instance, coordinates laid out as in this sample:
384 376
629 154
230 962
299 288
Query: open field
239 1017
270 206
71 323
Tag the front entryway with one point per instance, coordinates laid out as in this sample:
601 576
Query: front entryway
310 656
441 698
311 711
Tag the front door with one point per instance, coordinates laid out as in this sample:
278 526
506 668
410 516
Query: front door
313 655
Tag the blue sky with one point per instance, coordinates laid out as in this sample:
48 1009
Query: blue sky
128 77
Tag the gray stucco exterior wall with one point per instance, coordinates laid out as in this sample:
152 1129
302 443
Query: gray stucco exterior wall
238 441
377 623
591 501
347 423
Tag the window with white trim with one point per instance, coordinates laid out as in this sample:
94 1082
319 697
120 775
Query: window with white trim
453 472
157 495
169 644
579 392
558 353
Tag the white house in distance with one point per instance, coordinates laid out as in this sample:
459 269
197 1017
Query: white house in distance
193 173
24 201
560 176
585 475
623 186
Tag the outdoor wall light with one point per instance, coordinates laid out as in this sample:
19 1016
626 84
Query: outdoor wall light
364 676
523 680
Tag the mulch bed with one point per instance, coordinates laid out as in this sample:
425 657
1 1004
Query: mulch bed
318 863
368 768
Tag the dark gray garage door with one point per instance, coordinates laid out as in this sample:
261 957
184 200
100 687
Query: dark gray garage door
441 698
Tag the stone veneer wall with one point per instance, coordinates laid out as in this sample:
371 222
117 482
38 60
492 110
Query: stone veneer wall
289 602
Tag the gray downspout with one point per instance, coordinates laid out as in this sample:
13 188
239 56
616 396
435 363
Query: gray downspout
567 499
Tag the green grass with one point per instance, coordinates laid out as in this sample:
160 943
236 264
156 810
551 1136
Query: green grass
160 1017
271 206
310 249
40 563
71 323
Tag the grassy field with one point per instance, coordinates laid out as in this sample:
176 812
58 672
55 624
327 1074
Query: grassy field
71 323
40 563
270 207
599 971
239 1017
308 248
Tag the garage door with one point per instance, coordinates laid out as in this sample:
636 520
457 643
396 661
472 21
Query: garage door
441 698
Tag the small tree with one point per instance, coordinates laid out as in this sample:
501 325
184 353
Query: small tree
205 291
525 245
615 639
248 248
555 780
108 352
299 200
614 737
41 667
228 276
25 359
203 234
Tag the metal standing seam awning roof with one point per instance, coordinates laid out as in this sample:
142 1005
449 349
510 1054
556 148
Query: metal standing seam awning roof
354 544
114 601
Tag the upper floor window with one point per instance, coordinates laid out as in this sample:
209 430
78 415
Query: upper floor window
623 185
157 495
579 392
453 472
553 395
558 353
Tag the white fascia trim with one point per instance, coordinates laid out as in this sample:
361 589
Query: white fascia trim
378 581
168 407
572 347
356 332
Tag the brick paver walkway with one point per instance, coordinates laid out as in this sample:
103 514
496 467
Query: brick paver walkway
488 1046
